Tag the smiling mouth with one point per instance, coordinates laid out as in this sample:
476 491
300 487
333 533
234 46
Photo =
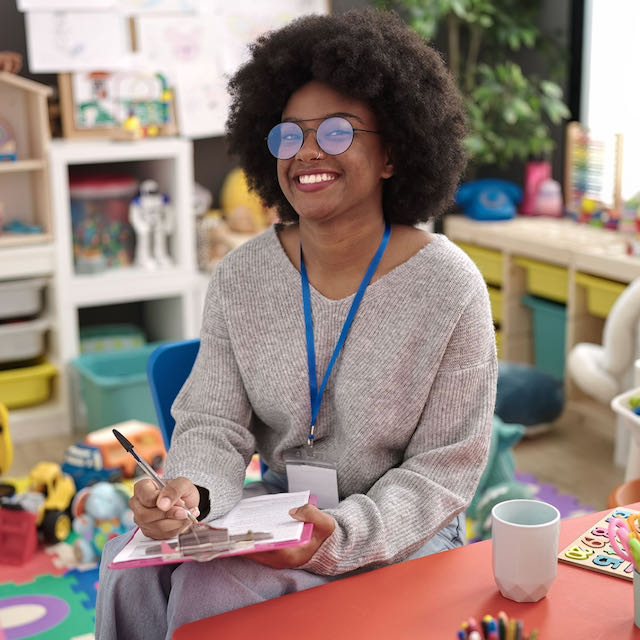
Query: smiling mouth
315 178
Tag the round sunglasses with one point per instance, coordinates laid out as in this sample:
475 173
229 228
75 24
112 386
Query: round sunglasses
334 136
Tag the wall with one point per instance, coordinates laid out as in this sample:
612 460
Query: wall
211 162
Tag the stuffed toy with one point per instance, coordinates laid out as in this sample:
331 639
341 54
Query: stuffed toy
527 396
100 512
497 482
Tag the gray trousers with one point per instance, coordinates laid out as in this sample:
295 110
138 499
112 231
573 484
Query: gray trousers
151 602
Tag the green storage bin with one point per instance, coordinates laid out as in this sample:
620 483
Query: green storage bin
114 386
549 329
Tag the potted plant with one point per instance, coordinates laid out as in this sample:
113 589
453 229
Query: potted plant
510 113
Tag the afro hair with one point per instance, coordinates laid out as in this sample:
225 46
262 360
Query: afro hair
371 56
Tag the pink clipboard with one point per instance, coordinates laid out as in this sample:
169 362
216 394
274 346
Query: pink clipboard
305 537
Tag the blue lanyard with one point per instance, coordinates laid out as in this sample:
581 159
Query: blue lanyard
315 393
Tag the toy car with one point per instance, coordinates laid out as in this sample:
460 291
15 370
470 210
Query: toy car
84 463
100 457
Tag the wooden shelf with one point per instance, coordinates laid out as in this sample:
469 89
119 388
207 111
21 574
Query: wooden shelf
22 165
23 239
128 284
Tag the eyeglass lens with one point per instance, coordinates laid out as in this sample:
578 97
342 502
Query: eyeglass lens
334 136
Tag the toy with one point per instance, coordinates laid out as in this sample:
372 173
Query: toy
489 199
8 149
6 448
591 167
49 496
535 173
152 220
102 234
146 438
242 209
100 512
593 549
84 463
498 473
548 199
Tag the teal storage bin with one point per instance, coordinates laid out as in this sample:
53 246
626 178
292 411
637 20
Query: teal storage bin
114 386
549 329
111 337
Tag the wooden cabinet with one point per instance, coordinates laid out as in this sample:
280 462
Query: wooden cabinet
557 259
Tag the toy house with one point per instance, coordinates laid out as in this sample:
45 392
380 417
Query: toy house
24 183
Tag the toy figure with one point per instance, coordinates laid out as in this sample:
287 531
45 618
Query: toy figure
100 512
152 221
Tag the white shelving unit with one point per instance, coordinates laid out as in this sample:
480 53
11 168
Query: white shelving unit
169 296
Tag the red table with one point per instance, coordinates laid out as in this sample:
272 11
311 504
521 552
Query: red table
429 597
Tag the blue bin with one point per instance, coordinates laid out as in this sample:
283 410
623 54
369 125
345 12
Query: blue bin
114 386
549 329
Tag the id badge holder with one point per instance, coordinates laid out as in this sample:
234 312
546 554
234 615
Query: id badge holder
308 473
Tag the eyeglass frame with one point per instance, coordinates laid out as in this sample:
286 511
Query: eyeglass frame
305 131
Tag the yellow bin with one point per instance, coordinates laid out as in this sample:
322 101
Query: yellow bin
495 297
499 342
26 386
545 280
488 261
601 293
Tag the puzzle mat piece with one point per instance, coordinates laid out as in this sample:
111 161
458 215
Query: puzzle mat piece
567 505
42 563
52 596
85 582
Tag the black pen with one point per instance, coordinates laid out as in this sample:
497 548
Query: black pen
148 469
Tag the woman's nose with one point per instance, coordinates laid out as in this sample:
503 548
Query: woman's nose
310 149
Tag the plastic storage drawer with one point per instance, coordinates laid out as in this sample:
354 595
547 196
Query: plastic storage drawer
601 293
549 329
488 261
114 386
22 340
26 386
20 298
545 280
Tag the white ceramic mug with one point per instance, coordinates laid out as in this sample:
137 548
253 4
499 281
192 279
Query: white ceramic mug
524 536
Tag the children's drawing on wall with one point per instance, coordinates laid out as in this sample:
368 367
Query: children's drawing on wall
139 102
167 42
187 49
245 20
69 41
202 101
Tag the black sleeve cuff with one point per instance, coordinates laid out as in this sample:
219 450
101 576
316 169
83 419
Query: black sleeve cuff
204 506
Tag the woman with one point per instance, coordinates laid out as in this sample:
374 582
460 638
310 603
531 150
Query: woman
344 335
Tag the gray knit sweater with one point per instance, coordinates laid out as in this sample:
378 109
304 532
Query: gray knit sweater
406 414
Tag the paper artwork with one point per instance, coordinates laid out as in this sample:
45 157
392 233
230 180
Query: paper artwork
60 41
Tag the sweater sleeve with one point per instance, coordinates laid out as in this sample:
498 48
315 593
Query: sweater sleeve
211 443
442 464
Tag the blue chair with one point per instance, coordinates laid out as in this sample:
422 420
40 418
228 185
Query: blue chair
168 367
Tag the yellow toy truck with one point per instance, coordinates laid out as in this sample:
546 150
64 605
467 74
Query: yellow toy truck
49 497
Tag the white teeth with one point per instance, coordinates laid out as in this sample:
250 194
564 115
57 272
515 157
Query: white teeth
316 177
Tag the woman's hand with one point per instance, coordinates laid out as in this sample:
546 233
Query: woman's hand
160 514
323 526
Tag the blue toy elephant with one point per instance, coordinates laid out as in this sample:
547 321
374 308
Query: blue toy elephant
101 512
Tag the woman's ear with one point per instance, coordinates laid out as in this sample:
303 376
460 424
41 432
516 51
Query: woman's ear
387 169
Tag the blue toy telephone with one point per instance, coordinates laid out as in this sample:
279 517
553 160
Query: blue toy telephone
489 199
